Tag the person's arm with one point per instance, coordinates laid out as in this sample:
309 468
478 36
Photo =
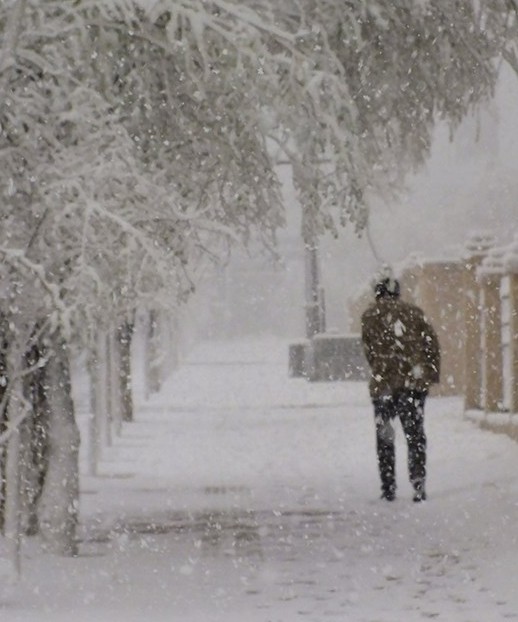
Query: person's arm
432 352
367 340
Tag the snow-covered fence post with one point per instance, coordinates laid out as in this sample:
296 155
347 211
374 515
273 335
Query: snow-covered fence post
510 265
476 249
489 275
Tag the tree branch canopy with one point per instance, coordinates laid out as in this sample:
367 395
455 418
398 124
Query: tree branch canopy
122 114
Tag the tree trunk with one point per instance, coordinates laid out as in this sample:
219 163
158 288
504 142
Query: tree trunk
95 416
12 522
34 445
102 389
3 464
12 526
152 354
3 420
58 507
115 389
28 481
169 342
124 339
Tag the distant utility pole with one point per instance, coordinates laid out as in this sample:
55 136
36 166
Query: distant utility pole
314 292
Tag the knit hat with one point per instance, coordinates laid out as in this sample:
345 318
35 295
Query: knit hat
386 284
388 287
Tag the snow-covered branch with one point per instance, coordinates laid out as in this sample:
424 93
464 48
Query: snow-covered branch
10 43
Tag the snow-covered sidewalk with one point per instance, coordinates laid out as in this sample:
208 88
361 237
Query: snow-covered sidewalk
241 494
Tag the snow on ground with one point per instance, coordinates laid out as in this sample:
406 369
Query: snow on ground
241 494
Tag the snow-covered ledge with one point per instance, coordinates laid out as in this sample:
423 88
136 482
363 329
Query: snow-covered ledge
493 262
498 422
476 248
478 244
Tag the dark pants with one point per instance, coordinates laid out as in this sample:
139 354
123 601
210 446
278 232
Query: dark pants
409 407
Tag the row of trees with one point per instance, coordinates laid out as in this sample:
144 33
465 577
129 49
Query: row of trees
138 138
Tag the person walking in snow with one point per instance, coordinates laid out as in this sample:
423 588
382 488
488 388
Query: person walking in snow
403 353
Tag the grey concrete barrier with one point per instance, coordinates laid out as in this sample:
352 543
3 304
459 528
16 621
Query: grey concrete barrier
328 357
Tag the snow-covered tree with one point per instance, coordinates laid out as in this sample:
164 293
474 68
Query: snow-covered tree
96 218
80 240
367 83
351 91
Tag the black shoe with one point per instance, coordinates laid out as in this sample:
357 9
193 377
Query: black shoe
419 495
388 495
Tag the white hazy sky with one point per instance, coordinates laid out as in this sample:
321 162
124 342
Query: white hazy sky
469 183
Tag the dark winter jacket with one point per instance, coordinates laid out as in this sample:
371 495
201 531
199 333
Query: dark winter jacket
401 347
